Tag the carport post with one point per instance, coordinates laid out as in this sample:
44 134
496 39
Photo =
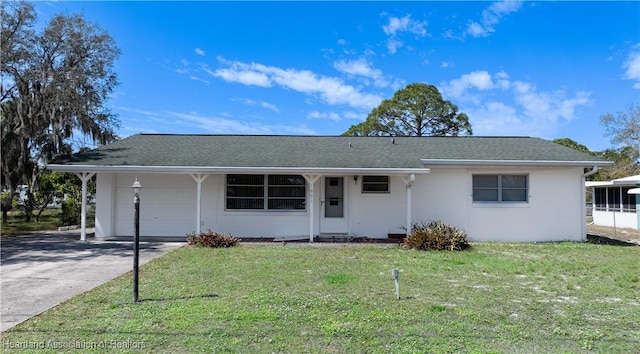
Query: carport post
84 177
199 178
311 179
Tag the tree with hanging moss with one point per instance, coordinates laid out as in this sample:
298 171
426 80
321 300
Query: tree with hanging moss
55 84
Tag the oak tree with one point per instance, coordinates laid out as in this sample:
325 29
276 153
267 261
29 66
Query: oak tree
54 86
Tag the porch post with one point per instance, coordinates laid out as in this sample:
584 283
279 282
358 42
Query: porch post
84 177
409 182
311 179
199 178
638 206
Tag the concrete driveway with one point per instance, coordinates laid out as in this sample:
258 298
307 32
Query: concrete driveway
40 271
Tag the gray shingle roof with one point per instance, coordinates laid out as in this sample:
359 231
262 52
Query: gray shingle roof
320 151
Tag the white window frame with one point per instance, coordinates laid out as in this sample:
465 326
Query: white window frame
500 189
369 183
265 195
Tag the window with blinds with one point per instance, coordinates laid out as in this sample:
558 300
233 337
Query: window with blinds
266 192
500 188
375 184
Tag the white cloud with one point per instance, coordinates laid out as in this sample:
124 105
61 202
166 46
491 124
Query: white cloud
548 106
200 52
457 88
139 111
331 90
241 75
503 80
521 108
357 67
497 118
324 115
216 125
491 16
405 24
393 44
396 24
361 67
262 104
197 78
336 117
270 106
445 64
354 115
632 66
476 30
399 25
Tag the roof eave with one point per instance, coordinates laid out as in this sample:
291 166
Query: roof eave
590 184
548 163
223 170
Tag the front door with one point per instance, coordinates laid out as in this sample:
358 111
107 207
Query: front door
334 218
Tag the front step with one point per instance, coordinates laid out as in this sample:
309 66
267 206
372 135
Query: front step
334 238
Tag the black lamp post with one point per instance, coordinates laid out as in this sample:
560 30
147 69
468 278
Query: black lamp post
136 242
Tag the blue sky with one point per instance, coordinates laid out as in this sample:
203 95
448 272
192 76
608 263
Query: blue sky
544 69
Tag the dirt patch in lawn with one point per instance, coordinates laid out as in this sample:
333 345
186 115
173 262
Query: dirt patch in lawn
599 234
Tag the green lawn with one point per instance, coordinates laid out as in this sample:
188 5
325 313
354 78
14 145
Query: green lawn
546 298
49 220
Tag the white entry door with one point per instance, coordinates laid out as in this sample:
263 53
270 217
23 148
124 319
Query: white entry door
334 206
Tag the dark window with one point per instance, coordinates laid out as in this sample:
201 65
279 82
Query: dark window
628 200
286 192
271 192
245 192
613 198
375 184
600 198
500 188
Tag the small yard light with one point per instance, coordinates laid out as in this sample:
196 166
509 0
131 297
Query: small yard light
396 280
136 241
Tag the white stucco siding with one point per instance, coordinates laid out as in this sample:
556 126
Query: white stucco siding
377 214
104 204
617 219
442 195
553 212
167 206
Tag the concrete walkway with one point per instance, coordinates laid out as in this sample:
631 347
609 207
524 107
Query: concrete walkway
40 271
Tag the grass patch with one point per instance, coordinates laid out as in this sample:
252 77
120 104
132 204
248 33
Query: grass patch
565 297
338 278
49 220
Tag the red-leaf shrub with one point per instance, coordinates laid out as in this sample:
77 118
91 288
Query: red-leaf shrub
211 239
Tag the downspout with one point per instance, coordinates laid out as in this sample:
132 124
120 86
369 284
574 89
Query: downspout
583 195
409 182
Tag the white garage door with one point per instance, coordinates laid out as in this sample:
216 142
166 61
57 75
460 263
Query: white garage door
167 205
